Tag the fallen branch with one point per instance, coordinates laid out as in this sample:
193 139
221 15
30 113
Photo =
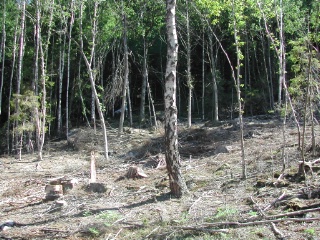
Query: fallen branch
203 229
295 213
245 224
274 202
54 230
276 231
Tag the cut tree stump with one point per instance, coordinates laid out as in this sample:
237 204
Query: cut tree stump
96 187
136 172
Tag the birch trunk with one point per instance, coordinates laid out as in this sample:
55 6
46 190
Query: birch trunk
91 73
177 183
126 74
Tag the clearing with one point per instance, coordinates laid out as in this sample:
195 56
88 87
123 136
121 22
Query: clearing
220 205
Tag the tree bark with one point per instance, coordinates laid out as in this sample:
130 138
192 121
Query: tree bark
144 82
126 73
189 77
68 66
177 183
214 83
61 71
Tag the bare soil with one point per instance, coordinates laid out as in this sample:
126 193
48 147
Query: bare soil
220 204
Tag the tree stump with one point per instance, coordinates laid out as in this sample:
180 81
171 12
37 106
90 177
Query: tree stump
136 172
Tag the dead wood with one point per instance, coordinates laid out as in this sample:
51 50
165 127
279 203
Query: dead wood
308 166
295 213
277 232
274 202
246 224
267 220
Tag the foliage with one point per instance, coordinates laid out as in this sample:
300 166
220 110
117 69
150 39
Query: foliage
24 106
109 217
146 22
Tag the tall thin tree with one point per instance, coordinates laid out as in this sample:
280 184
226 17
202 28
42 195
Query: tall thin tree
3 51
91 70
177 184
126 72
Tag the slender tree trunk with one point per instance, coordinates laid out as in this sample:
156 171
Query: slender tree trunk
3 51
177 183
14 53
238 52
129 103
91 72
151 104
144 81
21 45
68 66
214 83
22 7
113 79
61 71
126 74
35 82
282 62
267 76
43 54
189 77
203 76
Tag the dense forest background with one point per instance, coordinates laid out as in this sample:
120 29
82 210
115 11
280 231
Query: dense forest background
62 61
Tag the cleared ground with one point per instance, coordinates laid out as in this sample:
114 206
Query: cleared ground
220 205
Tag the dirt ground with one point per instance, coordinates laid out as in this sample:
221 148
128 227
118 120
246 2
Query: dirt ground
220 204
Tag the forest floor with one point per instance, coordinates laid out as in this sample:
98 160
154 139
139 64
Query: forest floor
220 204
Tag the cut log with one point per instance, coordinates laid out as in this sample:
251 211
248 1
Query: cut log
67 183
53 192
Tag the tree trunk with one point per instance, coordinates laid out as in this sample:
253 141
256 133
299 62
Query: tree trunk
91 73
3 51
68 66
14 53
61 71
144 82
238 52
129 103
214 83
203 76
151 106
43 53
189 77
177 183
126 74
